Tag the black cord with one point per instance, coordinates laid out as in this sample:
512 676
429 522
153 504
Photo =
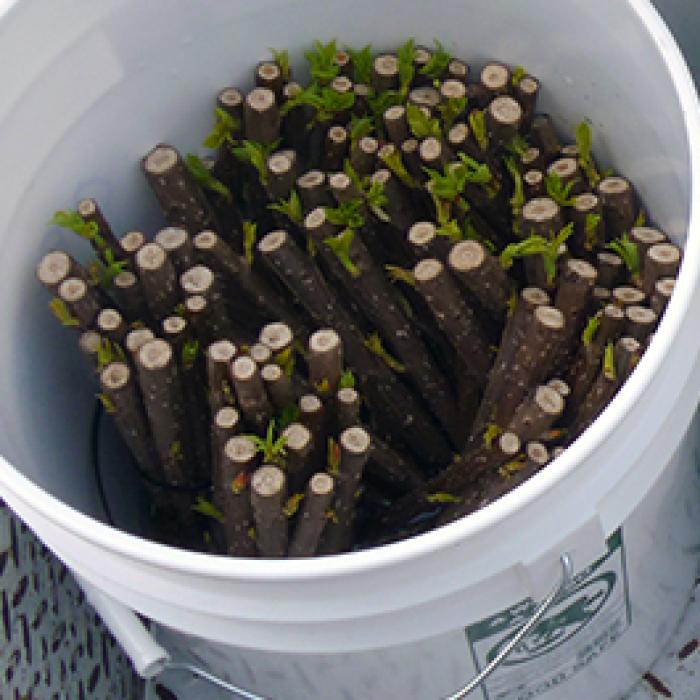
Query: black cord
95 459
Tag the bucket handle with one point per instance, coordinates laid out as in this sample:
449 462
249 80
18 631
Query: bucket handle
150 660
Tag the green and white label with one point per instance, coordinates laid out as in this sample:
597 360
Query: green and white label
591 615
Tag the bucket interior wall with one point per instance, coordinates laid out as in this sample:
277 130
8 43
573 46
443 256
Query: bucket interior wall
103 82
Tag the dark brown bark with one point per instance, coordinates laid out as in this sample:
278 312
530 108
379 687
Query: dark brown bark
335 148
268 75
343 188
237 463
177 243
663 289
541 216
299 463
537 413
219 356
482 274
545 136
164 401
282 174
385 73
640 322
128 293
325 360
158 279
426 243
180 197
526 92
268 494
363 155
312 517
533 184
396 124
347 408
399 206
504 116
392 468
355 444
610 269
278 385
313 190
661 260
81 300
391 404
250 393
619 205
226 423
89 211
261 117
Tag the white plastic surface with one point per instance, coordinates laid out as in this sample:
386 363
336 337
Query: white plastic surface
100 83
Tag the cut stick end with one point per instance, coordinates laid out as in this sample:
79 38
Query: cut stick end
277 336
155 354
221 351
115 376
466 256
321 484
171 238
240 450
355 440
324 340
205 240
268 481
150 257
160 160
272 241
427 270
227 418
72 289
109 320
138 338
53 268
549 400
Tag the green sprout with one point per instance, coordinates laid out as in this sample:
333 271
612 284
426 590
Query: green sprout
400 274
326 101
321 60
609 369
190 351
60 311
590 230
223 131
109 352
585 159
380 102
281 58
292 504
550 250
641 219
629 252
377 200
288 415
374 344
442 497
286 360
250 234
392 159
360 127
490 434
347 380
333 456
346 214
323 388
438 63
517 145
451 110
421 125
340 245
107 403
103 273
477 123
558 191
591 329
256 154
518 74
272 449
291 208
175 451
450 229
208 509
361 62
406 56
71 220
517 201
204 177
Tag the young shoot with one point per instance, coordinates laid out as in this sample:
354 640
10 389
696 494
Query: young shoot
204 177
288 415
490 434
518 199
590 230
585 159
60 311
558 191
272 448
207 509
71 220
451 230
103 273
347 380
421 125
326 101
477 123
518 74
400 274
374 344
190 352
360 127
321 60
439 60
629 252
281 58
107 403
332 457
393 161
256 154
591 329
347 214
291 208
340 245
442 497
286 360
406 55
451 110
223 131
250 235
109 352
517 145
292 505
609 368
361 62
641 219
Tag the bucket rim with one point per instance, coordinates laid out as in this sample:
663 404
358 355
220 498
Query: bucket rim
143 550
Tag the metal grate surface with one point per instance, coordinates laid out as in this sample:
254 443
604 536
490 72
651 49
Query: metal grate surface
52 644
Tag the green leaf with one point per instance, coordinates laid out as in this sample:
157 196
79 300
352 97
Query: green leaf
346 214
591 329
204 177
288 415
347 380
291 208
256 154
333 456
442 497
400 274
222 133
103 273
450 110
340 245
421 126
326 101
537 245
323 388
176 450
190 351
451 230
321 60
292 504
490 434
109 352
361 61
281 58
71 220
585 159
107 403
360 127
272 449
448 185
208 509
518 74
590 230
374 344
250 234
558 191
641 219
609 368
475 172
286 359
477 123
437 65
628 251
518 199
392 159
60 311
377 200
379 103
406 56
517 145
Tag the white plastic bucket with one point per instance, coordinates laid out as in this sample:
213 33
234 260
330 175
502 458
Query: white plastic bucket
87 88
